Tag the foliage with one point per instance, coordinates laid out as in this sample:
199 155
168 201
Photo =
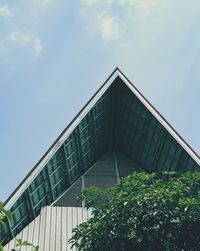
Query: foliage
20 243
144 213
5 214
93 196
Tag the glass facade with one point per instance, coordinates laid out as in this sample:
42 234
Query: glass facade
118 120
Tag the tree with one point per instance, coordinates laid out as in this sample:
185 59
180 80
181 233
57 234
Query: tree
4 213
143 213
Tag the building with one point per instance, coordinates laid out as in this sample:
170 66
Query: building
116 133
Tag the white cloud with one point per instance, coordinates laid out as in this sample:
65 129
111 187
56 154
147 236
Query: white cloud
24 39
37 46
144 6
45 1
104 15
88 2
128 2
5 11
108 26
20 38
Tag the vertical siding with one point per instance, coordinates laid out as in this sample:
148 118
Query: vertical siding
52 229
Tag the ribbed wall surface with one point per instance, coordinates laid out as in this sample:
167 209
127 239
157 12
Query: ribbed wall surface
117 117
52 229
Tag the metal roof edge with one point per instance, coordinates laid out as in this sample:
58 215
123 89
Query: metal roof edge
159 117
65 133
59 141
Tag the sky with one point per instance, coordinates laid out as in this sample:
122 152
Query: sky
54 54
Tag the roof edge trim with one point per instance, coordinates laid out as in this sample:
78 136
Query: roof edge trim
159 117
66 132
59 141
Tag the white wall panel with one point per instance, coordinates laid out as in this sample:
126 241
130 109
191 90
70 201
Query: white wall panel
52 229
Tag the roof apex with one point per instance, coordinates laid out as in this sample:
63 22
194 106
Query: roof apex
66 132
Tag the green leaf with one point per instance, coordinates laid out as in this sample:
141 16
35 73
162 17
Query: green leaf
36 248
144 212
1 248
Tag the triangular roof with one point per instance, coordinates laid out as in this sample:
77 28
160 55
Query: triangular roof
117 116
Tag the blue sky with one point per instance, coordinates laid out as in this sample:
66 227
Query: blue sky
54 54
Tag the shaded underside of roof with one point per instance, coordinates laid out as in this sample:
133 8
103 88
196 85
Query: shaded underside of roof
118 120
105 173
